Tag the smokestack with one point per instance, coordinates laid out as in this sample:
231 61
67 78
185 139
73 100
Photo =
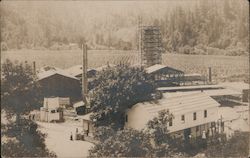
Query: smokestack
34 67
210 74
84 72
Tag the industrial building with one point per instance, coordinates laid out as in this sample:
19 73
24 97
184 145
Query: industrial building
193 113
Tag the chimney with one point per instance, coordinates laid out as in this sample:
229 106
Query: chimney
34 68
210 75
84 72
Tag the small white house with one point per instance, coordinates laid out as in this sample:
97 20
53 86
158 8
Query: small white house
194 114
52 109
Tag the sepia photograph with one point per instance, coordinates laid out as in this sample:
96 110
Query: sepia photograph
124 78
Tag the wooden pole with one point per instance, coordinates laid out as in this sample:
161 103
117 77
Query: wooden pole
84 73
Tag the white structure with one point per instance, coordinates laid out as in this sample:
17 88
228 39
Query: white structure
193 113
56 102
52 109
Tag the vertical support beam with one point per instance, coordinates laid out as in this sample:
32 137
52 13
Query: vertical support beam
210 75
84 73
140 40
34 68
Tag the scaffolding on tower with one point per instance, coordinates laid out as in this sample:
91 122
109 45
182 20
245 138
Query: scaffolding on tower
151 47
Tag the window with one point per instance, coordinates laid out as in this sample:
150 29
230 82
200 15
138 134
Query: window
194 116
183 118
171 122
205 113
126 118
53 111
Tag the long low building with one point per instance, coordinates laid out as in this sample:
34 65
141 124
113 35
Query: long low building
193 113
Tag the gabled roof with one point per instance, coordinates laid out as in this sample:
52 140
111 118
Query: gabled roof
86 117
179 103
104 67
77 70
45 74
162 68
78 104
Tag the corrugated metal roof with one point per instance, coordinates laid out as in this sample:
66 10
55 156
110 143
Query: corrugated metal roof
179 103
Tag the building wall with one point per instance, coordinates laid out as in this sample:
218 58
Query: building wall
178 124
61 86
137 118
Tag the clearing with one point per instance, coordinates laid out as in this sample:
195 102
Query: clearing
58 139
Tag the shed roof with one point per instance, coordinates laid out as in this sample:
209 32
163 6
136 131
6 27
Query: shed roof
209 92
162 68
78 104
189 87
179 103
86 117
238 86
104 67
77 70
45 74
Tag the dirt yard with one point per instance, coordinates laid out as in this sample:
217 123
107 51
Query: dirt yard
58 139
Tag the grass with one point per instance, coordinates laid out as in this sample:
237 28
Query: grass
223 67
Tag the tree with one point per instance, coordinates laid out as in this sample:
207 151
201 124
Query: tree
19 95
23 140
236 146
115 90
158 127
19 91
124 143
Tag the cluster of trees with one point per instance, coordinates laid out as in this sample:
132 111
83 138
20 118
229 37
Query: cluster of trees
115 90
19 96
208 28
202 27
118 88
154 142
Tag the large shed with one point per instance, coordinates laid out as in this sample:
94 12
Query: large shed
58 83
165 75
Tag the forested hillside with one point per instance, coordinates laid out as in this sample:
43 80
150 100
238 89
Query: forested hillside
189 27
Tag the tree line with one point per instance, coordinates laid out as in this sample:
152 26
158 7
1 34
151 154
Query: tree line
206 27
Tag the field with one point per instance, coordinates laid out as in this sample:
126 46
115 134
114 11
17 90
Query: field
234 68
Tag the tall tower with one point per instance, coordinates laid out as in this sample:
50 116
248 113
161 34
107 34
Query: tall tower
151 45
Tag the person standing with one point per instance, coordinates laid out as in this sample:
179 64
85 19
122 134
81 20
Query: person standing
71 136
